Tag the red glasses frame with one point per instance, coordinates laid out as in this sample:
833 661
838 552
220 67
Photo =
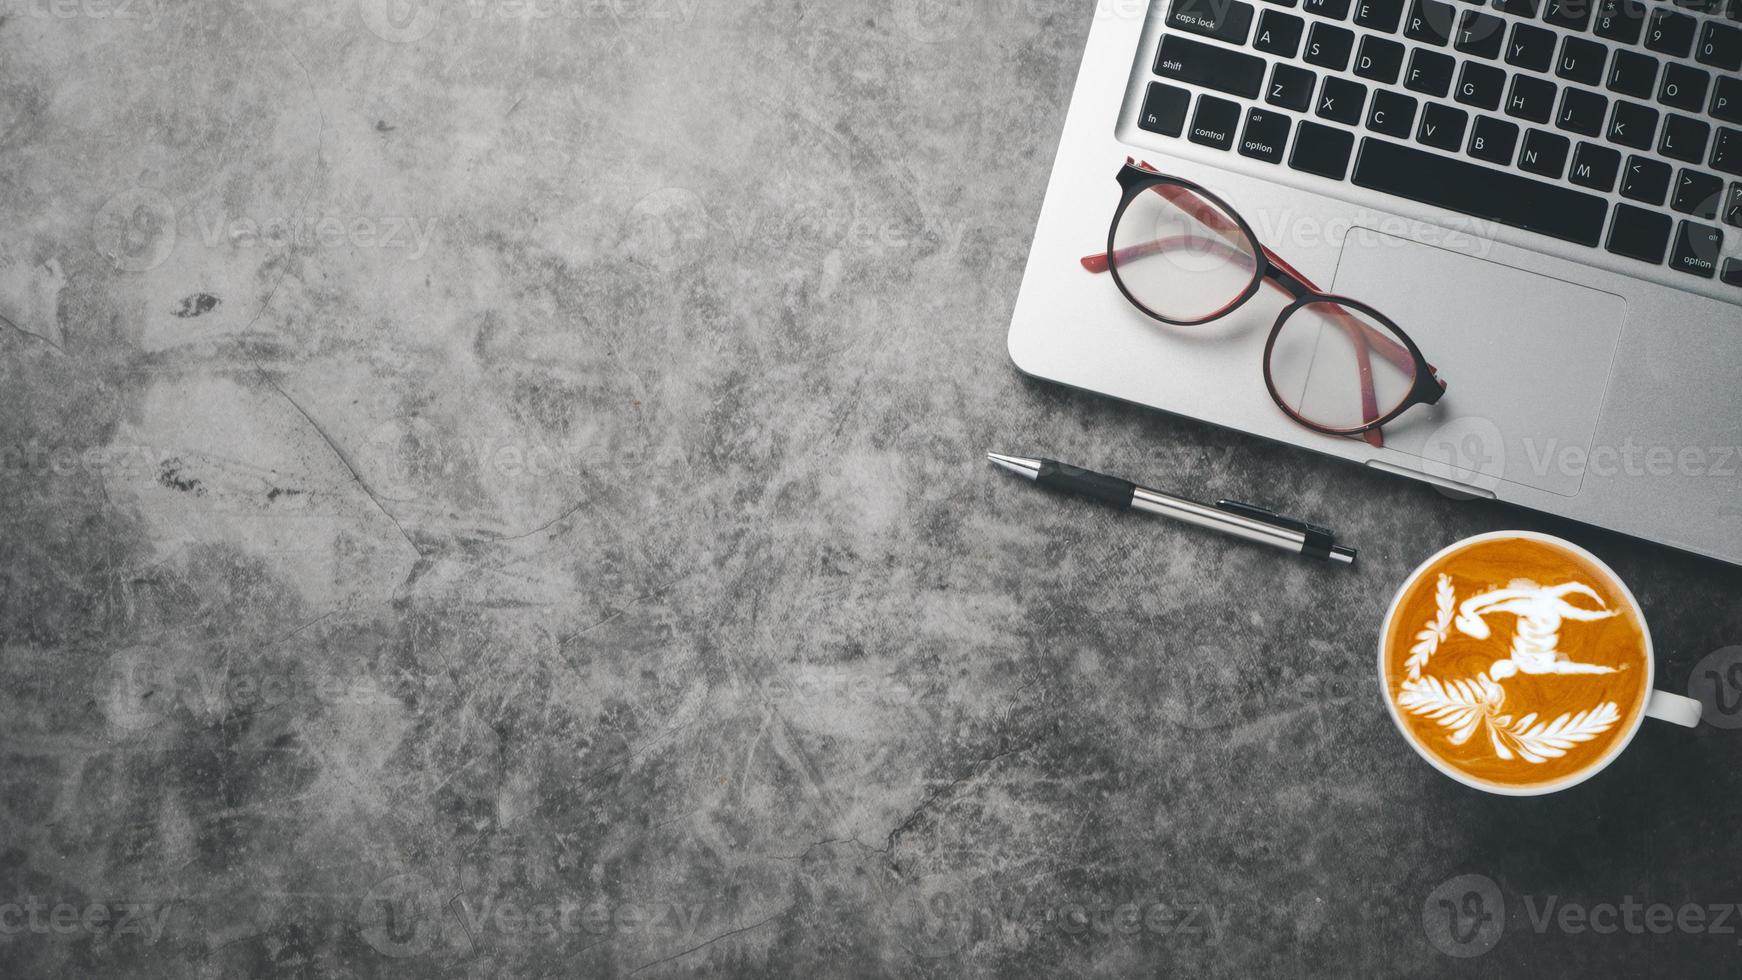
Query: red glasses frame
1138 178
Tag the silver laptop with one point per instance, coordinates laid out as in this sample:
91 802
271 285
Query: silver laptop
1545 195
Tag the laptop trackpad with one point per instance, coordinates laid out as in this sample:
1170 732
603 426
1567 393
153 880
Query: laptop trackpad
1526 360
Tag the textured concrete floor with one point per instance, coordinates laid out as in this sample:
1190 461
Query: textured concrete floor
496 491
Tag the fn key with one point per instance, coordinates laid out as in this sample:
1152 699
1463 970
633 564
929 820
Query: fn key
1322 150
1164 109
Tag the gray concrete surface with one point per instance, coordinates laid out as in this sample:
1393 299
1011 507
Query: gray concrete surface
496 492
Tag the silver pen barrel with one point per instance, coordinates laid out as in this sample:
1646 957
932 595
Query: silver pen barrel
1202 515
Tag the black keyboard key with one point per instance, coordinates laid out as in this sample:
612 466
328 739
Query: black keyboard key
1197 63
1265 135
1442 127
1733 206
1321 150
1620 20
1493 140
1164 109
1581 61
1670 32
1732 274
1582 112
1340 100
1632 73
1531 98
1332 9
1727 151
1479 191
1429 21
1291 87
1378 15
1684 139
1698 194
1279 33
1645 180
1480 34
1544 153
1683 87
1632 124
1329 47
1480 85
1639 234
1429 72
1572 15
1379 59
1392 113
1224 20
1595 167
1213 124
1283 3
1697 248
1517 8
1720 46
1727 97
1530 47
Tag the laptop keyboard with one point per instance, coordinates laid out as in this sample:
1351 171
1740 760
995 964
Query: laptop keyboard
1529 113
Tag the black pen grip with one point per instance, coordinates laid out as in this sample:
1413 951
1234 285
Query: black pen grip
1085 483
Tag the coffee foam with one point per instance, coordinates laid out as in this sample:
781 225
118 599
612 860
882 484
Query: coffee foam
1516 662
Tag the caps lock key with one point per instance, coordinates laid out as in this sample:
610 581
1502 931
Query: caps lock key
1224 20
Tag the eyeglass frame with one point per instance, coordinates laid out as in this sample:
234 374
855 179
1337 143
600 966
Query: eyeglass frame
1134 179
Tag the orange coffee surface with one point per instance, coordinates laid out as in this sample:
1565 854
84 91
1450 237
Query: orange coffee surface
1516 662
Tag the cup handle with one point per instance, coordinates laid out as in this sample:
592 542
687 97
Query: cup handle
1665 706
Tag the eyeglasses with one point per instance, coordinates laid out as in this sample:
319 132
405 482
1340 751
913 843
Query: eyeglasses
1183 256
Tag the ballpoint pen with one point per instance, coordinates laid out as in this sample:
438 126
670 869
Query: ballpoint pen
1228 516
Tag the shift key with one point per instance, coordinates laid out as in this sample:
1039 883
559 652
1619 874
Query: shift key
1224 20
1197 63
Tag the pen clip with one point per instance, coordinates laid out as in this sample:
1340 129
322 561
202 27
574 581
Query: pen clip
1315 533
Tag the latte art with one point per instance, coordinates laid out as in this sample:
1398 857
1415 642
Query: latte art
1516 662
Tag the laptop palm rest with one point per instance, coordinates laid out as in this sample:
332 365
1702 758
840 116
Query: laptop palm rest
1526 359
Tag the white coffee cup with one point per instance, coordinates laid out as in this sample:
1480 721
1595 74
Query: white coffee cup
1661 705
